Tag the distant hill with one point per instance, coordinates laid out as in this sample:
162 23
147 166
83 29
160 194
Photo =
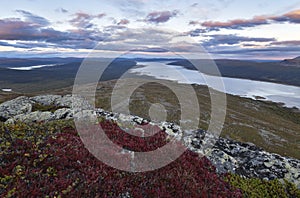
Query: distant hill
262 71
291 62
47 78
21 62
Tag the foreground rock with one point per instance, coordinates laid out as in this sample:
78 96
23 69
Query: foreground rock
247 159
36 116
21 108
15 107
227 155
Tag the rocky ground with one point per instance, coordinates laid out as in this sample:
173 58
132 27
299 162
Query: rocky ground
227 155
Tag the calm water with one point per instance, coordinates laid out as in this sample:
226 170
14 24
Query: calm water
27 68
289 95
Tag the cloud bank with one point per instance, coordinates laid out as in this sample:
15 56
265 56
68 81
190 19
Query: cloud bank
290 17
160 16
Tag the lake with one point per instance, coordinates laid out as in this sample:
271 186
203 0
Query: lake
287 94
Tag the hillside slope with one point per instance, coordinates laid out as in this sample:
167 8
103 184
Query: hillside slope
42 154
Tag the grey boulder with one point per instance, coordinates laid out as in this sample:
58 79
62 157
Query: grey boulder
20 105
46 99
36 116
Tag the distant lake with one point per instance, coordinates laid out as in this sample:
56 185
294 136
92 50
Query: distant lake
27 68
289 95
6 89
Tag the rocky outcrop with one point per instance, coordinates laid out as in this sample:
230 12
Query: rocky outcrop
20 105
46 99
244 159
21 108
63 113
36 116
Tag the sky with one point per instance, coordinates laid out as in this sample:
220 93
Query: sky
239 29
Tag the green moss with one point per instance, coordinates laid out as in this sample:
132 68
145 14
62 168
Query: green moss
4 180
52 108
255 187
11 192
33 132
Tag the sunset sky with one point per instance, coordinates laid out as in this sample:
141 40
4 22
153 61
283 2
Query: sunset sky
240 29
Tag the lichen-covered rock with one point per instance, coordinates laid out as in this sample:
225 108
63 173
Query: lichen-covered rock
63 113
227 155
74 102
46 99
67 101
15 107
247 160
36 116
86 116
20 109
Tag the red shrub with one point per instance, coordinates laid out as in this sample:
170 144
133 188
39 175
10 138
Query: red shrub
62 165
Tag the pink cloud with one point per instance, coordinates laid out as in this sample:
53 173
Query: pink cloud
290 17
161 16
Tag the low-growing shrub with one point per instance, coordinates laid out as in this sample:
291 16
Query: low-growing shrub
255 187
50 160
